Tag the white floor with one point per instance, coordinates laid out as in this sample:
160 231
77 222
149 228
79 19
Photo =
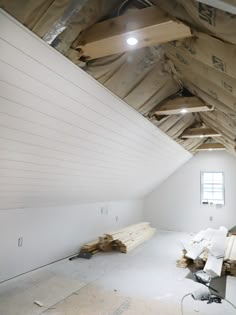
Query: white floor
145 281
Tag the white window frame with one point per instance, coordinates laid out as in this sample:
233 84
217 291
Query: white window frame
212 201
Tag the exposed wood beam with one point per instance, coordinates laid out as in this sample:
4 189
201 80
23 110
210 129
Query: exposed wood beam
149 26
182 105
200 133
211 147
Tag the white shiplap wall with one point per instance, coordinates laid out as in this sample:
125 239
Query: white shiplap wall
64 138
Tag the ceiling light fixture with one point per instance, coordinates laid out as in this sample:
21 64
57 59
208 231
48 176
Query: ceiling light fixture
209 149
201 136
132 41
184 111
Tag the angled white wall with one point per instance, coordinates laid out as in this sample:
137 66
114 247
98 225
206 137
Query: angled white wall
53 233
64 138
175 204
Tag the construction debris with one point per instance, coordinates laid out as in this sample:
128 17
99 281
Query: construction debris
123 240
212 251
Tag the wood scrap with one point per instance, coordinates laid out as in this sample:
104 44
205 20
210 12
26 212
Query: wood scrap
219 258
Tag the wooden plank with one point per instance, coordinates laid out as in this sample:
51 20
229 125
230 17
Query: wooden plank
211 146
213 266
182 105
216 253
200 133
218 243
194 250
149 26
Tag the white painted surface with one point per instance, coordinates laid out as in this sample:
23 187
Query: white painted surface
64 138
50 234
175 204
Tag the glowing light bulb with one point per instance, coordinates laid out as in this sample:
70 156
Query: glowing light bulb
184 111
132 41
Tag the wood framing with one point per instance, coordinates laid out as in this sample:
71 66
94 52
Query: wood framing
200 133
150 26
182 105
211 147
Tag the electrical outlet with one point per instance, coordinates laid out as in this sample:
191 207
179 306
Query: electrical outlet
105 210
20 241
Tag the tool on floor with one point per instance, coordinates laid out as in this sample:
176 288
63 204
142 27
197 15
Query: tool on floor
204 294
203 278
85 255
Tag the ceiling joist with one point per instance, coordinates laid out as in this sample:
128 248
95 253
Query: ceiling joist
149 26
182 105
211 147
200 133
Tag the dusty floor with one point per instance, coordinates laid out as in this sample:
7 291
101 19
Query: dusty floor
145 281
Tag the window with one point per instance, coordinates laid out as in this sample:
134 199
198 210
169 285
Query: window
212 188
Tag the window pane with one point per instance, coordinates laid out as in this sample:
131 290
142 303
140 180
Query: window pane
207 177
218 177
212 187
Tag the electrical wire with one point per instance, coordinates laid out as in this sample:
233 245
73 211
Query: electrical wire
182 302
230 303
145 2
121 6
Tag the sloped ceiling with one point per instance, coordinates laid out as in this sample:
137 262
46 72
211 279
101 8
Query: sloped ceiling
203 65
65 138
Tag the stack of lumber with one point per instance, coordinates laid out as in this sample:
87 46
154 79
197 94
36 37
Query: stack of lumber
128 238
123 240
92 247
212 251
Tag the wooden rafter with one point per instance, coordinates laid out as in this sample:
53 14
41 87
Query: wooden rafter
183 105
200 133
149 26
211 147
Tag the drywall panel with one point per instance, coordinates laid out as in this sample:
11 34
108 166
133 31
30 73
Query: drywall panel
52 233
64 138
175 204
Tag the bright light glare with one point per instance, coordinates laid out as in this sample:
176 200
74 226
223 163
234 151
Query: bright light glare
209 149
131 41
184 111
201 136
